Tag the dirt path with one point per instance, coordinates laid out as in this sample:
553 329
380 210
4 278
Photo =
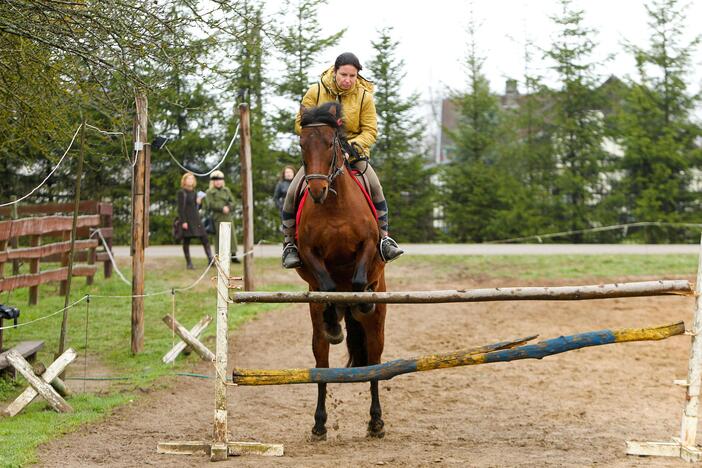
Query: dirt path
573 409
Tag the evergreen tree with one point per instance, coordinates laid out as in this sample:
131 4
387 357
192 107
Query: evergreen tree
472 193
657 128
247 84
578 128
397 155
300 45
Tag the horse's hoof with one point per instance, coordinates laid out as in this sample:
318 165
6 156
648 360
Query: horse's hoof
334 339
376 429
362 310
314 437
333 333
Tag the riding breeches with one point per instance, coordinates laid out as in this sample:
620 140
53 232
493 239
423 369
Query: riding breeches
376 194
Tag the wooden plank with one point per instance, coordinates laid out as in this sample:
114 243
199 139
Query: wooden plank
391 369
53 371
34 280
556 293
40 386
653 449
104 209
86 206
234 449
45 225
25 348
185 335
219 431
196 331
46 251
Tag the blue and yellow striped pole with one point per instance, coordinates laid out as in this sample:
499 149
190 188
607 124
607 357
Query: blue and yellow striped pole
498 352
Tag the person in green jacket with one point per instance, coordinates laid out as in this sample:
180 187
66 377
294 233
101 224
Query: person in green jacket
219 204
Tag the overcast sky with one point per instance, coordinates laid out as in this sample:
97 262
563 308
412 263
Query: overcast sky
433 35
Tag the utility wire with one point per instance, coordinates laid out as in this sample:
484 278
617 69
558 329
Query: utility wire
50 173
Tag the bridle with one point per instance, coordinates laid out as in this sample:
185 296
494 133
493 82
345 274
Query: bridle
333 170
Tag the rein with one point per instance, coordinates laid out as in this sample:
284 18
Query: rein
334 171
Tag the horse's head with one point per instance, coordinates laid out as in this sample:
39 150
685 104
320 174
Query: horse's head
321 148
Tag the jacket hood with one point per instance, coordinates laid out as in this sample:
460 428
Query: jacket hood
327 79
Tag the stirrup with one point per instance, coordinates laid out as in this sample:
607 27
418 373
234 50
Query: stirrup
389 250
291 257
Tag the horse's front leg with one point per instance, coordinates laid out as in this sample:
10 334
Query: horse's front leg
332 328
359 282
374 327
320 349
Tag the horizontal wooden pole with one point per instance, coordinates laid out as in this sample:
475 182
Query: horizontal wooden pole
499 352
85 207
35 279
44 226
555 293
46 250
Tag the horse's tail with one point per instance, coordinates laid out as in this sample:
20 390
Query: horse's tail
355 341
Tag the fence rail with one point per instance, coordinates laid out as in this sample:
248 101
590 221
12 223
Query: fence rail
47 221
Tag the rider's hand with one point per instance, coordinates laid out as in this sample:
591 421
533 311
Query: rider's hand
225 210
185 226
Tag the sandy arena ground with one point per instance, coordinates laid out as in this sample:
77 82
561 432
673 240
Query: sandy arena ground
573 409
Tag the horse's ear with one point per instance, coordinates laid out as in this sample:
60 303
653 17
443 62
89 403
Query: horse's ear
332 110
303 109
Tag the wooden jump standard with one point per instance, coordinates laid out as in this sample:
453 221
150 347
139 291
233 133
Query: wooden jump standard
498 352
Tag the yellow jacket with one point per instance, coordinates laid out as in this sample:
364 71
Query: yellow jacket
360 120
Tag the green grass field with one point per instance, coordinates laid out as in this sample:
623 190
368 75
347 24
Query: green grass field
107 329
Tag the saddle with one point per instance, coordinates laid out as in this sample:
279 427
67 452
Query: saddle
301 194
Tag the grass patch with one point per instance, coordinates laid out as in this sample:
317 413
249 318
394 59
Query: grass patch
102 331
530 267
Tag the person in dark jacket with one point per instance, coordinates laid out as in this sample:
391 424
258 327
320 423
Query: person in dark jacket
189 216
281 188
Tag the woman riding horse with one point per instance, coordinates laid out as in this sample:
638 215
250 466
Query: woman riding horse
342 83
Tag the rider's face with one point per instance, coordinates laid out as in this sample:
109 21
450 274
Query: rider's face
346 77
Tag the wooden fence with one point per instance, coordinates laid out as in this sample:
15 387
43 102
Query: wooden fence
52 222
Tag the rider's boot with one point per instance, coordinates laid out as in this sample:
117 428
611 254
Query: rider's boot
388 248
291 257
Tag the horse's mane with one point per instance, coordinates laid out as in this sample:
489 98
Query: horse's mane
322 114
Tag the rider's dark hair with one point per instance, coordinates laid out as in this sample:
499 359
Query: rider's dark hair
322 114
347 58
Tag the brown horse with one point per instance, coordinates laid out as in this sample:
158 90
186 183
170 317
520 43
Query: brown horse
337 239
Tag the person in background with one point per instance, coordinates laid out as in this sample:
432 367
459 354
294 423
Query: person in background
281 188
219 203
188 203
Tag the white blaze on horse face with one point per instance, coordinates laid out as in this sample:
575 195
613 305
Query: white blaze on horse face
346 76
